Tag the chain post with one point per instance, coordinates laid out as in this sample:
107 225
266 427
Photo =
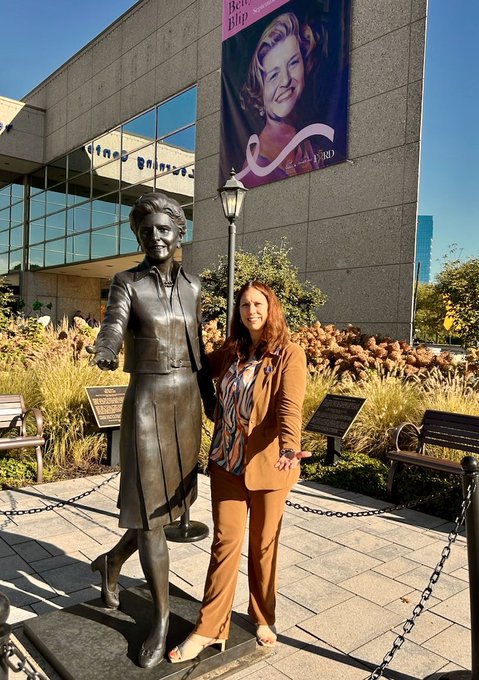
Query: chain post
5 631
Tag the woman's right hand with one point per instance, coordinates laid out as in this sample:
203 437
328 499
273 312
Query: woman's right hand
103 357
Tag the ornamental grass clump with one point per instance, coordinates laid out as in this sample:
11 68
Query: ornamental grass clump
390 400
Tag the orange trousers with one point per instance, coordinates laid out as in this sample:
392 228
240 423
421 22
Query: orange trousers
231 501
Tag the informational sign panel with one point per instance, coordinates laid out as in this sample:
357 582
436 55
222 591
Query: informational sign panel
335 415
106 404
284 87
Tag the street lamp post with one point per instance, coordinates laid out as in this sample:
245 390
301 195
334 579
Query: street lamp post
232 195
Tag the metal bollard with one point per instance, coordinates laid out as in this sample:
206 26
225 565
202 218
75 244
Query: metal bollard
5 631
470 465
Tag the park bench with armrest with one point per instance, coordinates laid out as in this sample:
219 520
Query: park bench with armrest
438 428
13 420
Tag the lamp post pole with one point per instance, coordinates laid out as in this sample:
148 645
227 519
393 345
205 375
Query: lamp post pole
232 195
231 274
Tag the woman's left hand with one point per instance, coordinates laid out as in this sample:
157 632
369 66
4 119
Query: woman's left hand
290 459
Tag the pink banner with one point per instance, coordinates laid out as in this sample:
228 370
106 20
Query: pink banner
238 14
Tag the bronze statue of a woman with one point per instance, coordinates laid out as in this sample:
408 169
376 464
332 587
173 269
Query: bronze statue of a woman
154 310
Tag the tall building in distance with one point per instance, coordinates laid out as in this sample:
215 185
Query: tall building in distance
423 246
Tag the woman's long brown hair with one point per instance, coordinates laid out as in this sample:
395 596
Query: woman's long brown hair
275 332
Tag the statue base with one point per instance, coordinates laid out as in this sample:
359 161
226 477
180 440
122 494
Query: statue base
88 642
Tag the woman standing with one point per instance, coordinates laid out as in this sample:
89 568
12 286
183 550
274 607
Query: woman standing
154 309
254 462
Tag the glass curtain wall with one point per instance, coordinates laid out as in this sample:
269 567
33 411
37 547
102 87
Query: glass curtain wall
79 204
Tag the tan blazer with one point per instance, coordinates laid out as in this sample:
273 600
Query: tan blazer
275 421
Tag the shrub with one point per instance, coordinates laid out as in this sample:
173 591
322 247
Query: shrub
272 266
353 472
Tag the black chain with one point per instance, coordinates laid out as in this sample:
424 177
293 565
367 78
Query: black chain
366 513
60 504
426 593
18 662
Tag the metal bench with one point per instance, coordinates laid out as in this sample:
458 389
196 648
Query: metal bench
13 420
438 428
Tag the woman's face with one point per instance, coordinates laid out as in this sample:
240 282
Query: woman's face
158 236
254 312
283 79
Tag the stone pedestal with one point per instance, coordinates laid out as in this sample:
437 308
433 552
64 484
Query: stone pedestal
88 642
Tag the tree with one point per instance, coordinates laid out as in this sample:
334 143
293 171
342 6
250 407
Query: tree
272 266
458 281
430 314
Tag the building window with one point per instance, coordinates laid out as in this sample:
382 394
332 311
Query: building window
79 204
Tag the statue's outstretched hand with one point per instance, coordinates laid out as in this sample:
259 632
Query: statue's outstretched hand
103 357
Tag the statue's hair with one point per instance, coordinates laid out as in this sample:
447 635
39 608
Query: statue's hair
156 202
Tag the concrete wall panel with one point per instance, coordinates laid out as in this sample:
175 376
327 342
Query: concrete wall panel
375 236
207 136
263 210
293 236
379 66
209 16
372 19
378 123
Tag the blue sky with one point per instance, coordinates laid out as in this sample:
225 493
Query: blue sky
38 36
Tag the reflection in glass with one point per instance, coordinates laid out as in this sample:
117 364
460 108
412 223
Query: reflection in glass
140 168
4 240
17 213
104 242
185 139
56 199
37 182
79 161
15 260
54 252
78 248
37 206
107 178
57 171
142 126
177 112
128 242
37 230
79 189
105 211
36 255
106 148
3 263
16 237
78 219
4 199
55 225
17 191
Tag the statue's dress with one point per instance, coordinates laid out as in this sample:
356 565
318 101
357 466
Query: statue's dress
160 430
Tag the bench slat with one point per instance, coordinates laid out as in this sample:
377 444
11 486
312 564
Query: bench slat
421 460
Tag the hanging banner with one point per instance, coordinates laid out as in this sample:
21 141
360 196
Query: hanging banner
284 87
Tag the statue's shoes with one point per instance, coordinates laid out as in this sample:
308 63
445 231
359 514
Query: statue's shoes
111 598
149 658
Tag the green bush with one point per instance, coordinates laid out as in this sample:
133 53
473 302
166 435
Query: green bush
272 266
353 472
20 471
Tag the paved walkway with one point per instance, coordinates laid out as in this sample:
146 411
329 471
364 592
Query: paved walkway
346 585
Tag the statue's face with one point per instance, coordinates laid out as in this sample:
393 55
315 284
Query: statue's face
158 237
